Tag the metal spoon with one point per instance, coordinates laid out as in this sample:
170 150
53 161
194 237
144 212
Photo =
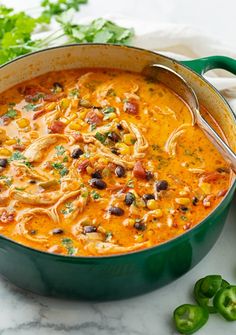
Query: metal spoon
179 85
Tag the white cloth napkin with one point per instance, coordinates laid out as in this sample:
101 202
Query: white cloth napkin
180 42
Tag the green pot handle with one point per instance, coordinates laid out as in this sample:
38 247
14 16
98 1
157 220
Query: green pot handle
202 65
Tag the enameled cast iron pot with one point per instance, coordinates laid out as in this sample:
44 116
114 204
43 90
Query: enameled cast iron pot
119 276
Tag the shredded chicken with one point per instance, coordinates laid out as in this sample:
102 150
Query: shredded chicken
141 143
95 247
36 151
45 198
26 217
170 146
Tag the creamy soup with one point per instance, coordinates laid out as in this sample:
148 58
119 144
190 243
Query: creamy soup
100 161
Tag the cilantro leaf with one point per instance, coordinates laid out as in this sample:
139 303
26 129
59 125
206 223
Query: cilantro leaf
11 113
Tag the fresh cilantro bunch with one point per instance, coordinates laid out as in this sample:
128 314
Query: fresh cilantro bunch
16 29
52 8
98 31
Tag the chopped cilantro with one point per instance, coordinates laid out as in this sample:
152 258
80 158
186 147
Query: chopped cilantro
61 169
184 218
95 195
68 208
11 113
68 244
60 150
93 126
20 188
130 183
108 110
74 93
57 166
100 137
7 180
30 107
16 156
108 235
64 172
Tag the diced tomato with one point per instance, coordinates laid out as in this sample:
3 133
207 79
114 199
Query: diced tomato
211 176
222 193
139 171
82 166
78 137
57 127
19 147
6 217
39 113
53 96
93 117
131 107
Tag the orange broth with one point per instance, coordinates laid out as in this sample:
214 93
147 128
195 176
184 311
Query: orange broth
101 161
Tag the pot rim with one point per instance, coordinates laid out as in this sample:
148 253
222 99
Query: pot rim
162 245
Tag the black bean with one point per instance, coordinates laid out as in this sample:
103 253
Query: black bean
148 196
139 225
195 201
89 229
161 185
98 183
120 171
76 153
3 162
116 211
114 137
33 232
223 170
57 87
183 209
149 175
32 181
96 174
57 231
115 151
119 126
129 198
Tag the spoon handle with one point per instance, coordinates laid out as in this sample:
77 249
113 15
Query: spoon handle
223 148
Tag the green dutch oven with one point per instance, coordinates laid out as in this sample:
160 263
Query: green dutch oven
125 275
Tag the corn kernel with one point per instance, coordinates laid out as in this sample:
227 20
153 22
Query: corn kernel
140 202
82 115
152 204
89 170
128 222
205 187
65 103
10 142
128 139
123 148
75 126
50 106
5 152
111 116
64 120
138 238
182 201
103 160
73 116
34 135
23 123
157 213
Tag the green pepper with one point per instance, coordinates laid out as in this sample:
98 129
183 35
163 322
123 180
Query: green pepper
206 288
189 318
225 302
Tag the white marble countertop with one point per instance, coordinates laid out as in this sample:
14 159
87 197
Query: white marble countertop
23 313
